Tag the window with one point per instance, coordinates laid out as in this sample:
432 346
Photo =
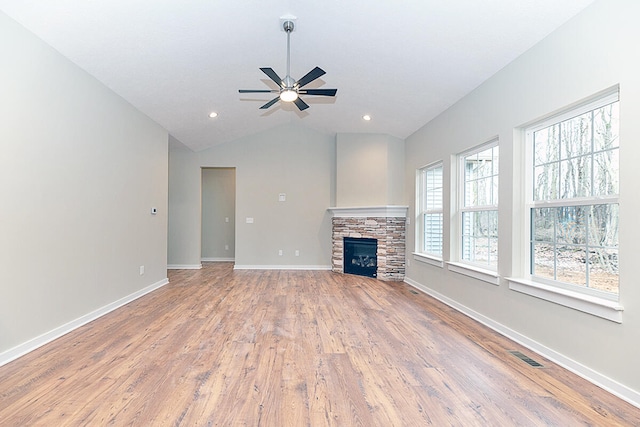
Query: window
479 206
573 201
430 210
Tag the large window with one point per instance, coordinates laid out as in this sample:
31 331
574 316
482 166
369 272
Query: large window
479 206
573 202
430 210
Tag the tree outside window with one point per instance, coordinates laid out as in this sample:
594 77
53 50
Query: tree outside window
574 203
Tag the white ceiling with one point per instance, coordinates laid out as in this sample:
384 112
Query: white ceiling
402 62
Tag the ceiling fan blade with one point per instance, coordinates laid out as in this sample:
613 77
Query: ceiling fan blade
310 76
258 91
273 75
270 103
322 92
301 104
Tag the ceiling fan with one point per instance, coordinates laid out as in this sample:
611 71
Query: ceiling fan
289 89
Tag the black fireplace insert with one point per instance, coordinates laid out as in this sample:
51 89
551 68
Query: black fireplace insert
360 256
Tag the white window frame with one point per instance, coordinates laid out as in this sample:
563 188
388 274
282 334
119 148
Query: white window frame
592 301
422 210
487 272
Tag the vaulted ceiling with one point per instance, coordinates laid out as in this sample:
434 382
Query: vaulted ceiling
402 63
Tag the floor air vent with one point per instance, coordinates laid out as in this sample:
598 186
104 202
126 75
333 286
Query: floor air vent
413 292
526 359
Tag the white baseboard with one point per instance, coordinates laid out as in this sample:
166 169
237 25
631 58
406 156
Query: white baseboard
184 266
602 381
282 267
218 259
32 344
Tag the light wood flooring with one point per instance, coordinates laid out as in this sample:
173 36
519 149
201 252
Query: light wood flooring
218 347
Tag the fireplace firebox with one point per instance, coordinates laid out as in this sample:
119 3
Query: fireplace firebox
360 256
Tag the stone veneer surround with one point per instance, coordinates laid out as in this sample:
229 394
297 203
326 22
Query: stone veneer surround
385 224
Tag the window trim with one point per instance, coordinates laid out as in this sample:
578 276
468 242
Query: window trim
599 100
420 254
460 263
472 270
593 301
601 307
428 259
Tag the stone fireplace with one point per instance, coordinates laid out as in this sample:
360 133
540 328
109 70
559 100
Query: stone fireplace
385 224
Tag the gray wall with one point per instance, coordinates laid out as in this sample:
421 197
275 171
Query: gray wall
80 170
593 52
185 210
288 159
218 214
370 170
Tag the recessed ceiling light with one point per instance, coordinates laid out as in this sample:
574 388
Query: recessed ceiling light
213 114
366 117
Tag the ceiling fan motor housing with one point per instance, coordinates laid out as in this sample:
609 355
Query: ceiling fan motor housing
288 82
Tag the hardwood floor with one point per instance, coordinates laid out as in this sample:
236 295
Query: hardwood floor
292 348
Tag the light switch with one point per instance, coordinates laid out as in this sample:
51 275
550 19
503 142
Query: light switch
282 197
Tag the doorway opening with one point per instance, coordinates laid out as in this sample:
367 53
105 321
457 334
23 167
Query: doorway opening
218 225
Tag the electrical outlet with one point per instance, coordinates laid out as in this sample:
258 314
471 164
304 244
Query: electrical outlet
141 270
280 252
226 247
297 252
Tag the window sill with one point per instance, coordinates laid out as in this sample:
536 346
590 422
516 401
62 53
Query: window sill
428 259
606 309
488 276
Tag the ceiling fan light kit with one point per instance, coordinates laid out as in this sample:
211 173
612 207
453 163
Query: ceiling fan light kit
288 95
290 89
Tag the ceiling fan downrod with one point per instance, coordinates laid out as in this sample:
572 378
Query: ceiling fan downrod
288 82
